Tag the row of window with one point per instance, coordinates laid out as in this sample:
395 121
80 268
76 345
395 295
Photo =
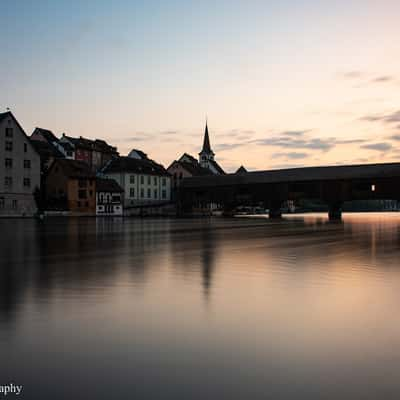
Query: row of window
8 182
9 146
109 198
163 193
14 203
155 180
8 162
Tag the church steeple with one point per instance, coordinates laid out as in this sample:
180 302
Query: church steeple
206 141
206 153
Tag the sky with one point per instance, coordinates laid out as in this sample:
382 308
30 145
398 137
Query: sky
282 84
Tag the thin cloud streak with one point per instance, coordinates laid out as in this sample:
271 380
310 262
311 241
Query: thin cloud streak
383 147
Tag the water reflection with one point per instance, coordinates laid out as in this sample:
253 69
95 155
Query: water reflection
301 306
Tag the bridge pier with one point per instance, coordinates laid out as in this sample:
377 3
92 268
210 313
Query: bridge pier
335 211
275 210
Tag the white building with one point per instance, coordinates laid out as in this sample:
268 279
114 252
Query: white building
108 197
19 169
144 181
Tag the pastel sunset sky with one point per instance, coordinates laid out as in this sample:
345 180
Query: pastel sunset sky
283 83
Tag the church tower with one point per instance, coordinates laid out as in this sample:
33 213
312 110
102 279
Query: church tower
206 155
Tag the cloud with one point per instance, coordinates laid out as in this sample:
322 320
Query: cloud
350 141
295 133
394 137
139 138
292 155
240 134
313 144
391 118
169 132
378 146
352 75
287 166
229 146
384 79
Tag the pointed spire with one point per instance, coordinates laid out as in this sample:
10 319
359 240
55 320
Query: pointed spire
206 142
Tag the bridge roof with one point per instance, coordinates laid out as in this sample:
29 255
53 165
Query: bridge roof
306 174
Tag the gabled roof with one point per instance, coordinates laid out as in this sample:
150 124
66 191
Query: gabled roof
193 169
140 153
241 170
108 185
217 167
188 156
73 168
103 146
128 164
46 133
9 114
89 144
46 149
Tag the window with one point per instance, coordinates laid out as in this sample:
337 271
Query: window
82 183
14 204
25 148
82 194
149 193
87 204
116 198
132 179
164 181
79 203
27 163
180 176
142 193
8 162
155 193
9 146
27 182
149 180
9 132
164 194
142 179
2 203
90 193
8 181
155 180
132 192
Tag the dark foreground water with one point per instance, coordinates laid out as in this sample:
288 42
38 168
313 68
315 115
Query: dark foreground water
201 309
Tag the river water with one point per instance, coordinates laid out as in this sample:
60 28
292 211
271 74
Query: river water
243 308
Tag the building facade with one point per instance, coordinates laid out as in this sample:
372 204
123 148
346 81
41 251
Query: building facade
20 169
109 196
95 153
144 181
185 167
71 186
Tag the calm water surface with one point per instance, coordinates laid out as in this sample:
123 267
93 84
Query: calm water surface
242 308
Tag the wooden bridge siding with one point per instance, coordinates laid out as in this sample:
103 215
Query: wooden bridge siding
326 191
